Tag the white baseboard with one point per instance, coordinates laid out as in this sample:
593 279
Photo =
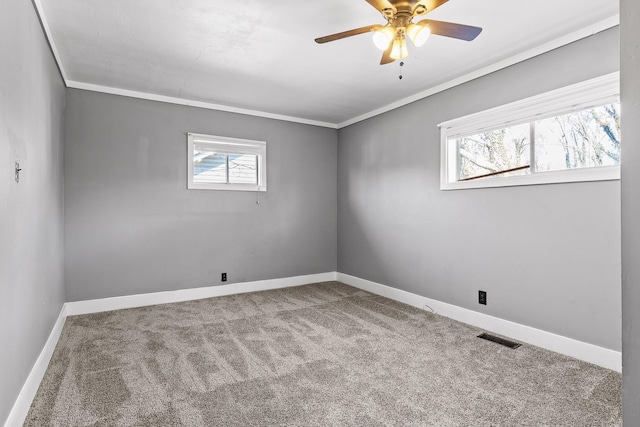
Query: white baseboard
600 356
588 352
22 404
141 300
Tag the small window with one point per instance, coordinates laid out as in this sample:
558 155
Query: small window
568 135
221 163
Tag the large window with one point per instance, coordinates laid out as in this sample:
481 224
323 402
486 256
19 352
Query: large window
221 163
568 135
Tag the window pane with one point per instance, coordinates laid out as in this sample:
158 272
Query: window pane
582 139
224 163
494 151
243 169
209 167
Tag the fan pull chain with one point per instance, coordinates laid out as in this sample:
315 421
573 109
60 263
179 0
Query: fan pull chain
401 63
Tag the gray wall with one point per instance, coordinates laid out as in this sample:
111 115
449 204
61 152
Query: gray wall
131 225
630 88
31 216
548 255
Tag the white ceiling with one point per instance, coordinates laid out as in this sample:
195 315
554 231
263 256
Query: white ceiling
259 57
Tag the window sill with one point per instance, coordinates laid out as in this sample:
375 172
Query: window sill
602 173
226 187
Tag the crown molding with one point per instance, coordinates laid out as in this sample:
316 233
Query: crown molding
590 30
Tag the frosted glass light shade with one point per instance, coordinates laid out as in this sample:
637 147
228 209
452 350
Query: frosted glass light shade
382 37
418 34
399 49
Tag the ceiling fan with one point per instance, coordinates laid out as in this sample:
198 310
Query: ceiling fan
391 38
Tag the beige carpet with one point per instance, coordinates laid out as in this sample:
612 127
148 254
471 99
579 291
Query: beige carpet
318 355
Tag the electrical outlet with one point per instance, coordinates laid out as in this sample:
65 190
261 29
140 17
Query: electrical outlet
224 277
482 297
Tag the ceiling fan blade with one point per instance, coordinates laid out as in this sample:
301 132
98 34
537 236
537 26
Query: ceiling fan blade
381 5
432 4
386 56
449 29
349 33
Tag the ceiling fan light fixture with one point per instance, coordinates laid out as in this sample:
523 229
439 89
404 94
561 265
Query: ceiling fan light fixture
418 33
383 36
399 49
399 14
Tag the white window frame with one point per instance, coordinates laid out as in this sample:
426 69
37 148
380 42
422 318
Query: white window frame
226 145
591 93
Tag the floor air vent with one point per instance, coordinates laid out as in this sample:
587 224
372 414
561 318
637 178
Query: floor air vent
498 340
